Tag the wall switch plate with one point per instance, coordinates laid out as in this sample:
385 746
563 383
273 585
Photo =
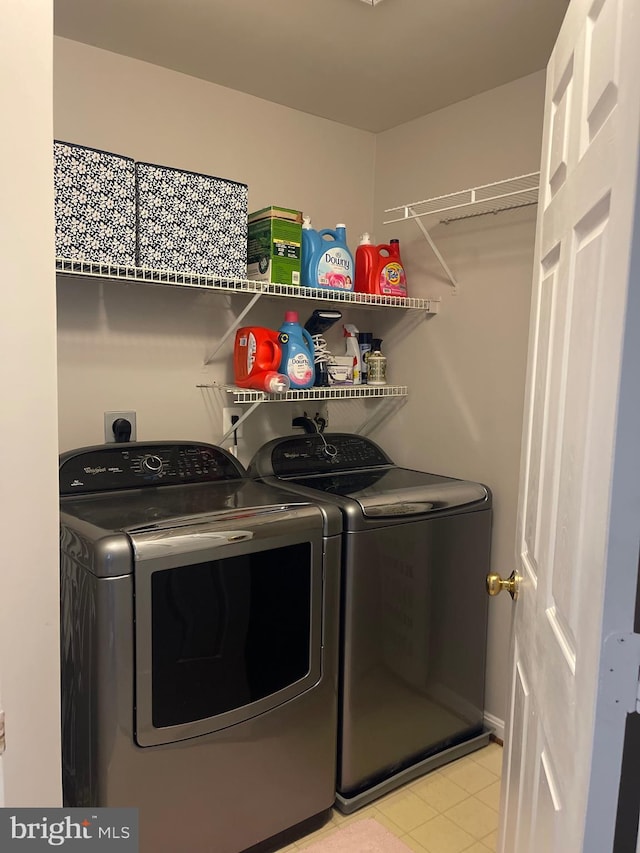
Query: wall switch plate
227 424
110 417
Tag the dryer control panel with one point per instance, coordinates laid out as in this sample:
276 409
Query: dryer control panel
135 465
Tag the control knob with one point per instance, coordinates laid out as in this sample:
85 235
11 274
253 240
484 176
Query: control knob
152 464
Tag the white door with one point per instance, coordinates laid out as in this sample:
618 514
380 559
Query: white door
575 657
2 742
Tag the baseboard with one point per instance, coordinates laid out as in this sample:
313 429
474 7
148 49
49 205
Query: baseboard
496 725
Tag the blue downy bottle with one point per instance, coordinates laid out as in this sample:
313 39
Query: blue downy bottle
297 352
326 259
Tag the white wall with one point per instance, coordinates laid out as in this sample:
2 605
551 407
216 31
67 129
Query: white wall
29 602
141 348
466 367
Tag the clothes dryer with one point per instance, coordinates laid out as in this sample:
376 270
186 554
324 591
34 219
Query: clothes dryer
415 555
199 646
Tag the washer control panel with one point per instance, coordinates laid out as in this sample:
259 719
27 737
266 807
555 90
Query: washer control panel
133 465
318 454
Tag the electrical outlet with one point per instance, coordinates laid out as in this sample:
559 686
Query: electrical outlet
227 424
111 417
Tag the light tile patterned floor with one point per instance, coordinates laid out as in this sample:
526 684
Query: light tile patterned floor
452 810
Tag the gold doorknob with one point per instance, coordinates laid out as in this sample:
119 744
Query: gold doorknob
495 584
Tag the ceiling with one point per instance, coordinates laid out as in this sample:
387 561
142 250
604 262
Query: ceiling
367 66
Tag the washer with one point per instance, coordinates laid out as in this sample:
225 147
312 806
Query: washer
199 622
415 556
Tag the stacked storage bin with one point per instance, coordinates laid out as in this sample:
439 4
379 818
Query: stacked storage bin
95 205
191 222
112 210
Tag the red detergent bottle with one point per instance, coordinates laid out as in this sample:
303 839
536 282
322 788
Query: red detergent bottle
379 269
366 264
256 359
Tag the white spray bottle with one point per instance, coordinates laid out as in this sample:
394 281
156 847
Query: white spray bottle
353 349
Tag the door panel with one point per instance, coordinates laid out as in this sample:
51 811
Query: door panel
561 110
570 560
519 737
548 807
533 494
602 63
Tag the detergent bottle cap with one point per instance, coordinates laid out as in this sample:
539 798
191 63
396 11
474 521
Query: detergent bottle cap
306 222
365 240
394 241
341 225
276 383
291 316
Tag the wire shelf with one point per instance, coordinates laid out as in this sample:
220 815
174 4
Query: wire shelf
342 392
146 275
508 194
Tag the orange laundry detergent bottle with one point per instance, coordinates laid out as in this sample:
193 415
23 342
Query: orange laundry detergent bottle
256 359
379 269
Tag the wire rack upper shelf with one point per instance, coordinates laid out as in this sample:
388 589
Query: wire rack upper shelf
146 275
477 201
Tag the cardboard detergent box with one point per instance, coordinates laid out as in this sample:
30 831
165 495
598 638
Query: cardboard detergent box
274 241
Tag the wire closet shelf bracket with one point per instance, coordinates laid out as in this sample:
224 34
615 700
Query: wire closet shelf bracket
499 196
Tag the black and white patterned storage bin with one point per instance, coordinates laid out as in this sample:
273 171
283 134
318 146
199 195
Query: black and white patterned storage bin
95 205
191 222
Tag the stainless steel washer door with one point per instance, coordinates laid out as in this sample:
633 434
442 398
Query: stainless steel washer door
228 619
